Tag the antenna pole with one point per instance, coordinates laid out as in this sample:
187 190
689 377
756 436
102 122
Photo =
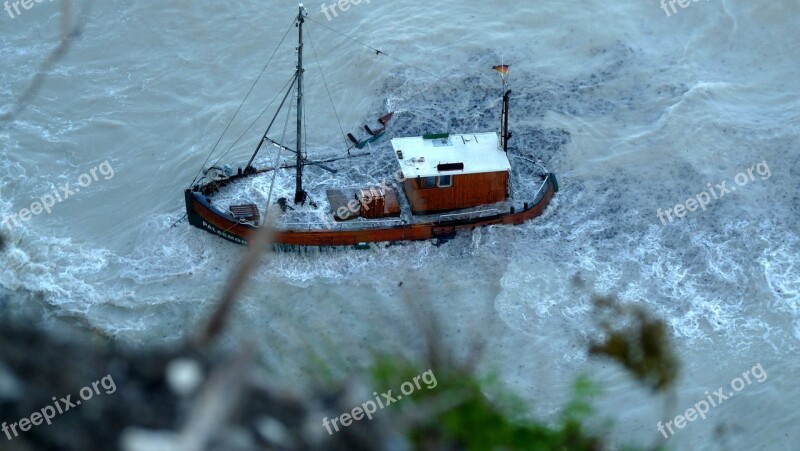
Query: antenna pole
299 194
505 135
505 132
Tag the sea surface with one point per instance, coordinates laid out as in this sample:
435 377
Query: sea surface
634 110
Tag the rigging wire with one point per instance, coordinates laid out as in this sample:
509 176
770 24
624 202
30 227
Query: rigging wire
281 91
238 110
305 131
269 127
243 101
377 51
324 82
277 160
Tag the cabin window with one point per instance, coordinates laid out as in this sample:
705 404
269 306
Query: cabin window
429 182
450 167
445 181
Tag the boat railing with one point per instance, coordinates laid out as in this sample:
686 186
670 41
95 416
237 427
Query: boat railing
340 225
540 192
469 214
536 163
308 225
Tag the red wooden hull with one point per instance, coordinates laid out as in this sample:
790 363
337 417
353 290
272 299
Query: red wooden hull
204 216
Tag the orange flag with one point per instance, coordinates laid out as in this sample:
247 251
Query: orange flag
502 69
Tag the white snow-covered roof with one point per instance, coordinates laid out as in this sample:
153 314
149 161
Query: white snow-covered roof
479 153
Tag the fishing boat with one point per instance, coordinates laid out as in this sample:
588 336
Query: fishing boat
435 186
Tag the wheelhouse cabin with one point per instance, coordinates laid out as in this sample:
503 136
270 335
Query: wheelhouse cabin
450 172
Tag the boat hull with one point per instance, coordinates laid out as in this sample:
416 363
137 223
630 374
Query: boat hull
203 215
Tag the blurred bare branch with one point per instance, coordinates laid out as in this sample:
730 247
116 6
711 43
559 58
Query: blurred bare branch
258 246
69 31
217 402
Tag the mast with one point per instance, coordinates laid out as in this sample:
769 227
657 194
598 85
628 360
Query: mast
299 194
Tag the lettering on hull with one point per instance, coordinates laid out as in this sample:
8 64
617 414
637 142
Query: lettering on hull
223 234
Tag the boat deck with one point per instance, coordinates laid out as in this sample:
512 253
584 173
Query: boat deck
525 185
346 200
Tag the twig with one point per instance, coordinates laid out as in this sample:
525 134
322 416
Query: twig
257 246
68 32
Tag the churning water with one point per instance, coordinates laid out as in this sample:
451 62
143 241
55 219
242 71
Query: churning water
636 111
